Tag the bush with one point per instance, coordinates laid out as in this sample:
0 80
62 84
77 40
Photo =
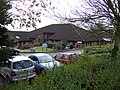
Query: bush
5 54
98 49
58 47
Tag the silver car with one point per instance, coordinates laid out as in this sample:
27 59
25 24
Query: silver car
45 60
18 68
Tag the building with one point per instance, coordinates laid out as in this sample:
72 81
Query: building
57 34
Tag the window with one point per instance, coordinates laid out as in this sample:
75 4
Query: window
23 42
22 64
58 56
73 57
27 63
17 65
65 57
34 58
45 59
8 64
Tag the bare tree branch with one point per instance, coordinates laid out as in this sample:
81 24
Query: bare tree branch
27 13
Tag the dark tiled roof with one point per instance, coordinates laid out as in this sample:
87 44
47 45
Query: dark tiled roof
23 36
64 32
67 32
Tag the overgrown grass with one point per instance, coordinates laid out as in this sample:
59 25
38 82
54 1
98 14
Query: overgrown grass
91 72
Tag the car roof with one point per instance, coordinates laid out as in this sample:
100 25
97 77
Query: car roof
38 54
19 58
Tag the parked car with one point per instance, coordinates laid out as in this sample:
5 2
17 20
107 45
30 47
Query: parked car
66 58
12 51
18 68
45 60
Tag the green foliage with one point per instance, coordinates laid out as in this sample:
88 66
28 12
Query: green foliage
58 47
4 38
102 49
4 20
4 15
4 55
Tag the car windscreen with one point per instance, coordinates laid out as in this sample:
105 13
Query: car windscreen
22 64
73 57
45 59
58 56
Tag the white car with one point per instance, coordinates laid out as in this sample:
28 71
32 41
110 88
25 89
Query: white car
18 68
45 60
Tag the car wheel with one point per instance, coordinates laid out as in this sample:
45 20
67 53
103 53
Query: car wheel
43 72
7 79
16 53
30 80
2 80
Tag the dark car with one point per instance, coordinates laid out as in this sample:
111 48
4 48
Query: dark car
66 58
14 51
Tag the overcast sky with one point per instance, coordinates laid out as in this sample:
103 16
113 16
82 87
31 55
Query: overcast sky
61 7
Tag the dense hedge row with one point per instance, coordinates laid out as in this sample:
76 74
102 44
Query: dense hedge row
98 49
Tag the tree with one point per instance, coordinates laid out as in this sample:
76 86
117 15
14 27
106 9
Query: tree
27 13
4 20
107 11
97 31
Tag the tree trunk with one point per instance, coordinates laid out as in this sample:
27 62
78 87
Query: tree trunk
115 50
116 43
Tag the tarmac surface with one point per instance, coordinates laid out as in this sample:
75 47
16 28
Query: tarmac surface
26 53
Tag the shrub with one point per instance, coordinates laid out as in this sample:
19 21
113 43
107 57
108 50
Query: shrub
5 54
98 49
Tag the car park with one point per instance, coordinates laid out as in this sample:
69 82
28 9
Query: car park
66 58
45 59
18 68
